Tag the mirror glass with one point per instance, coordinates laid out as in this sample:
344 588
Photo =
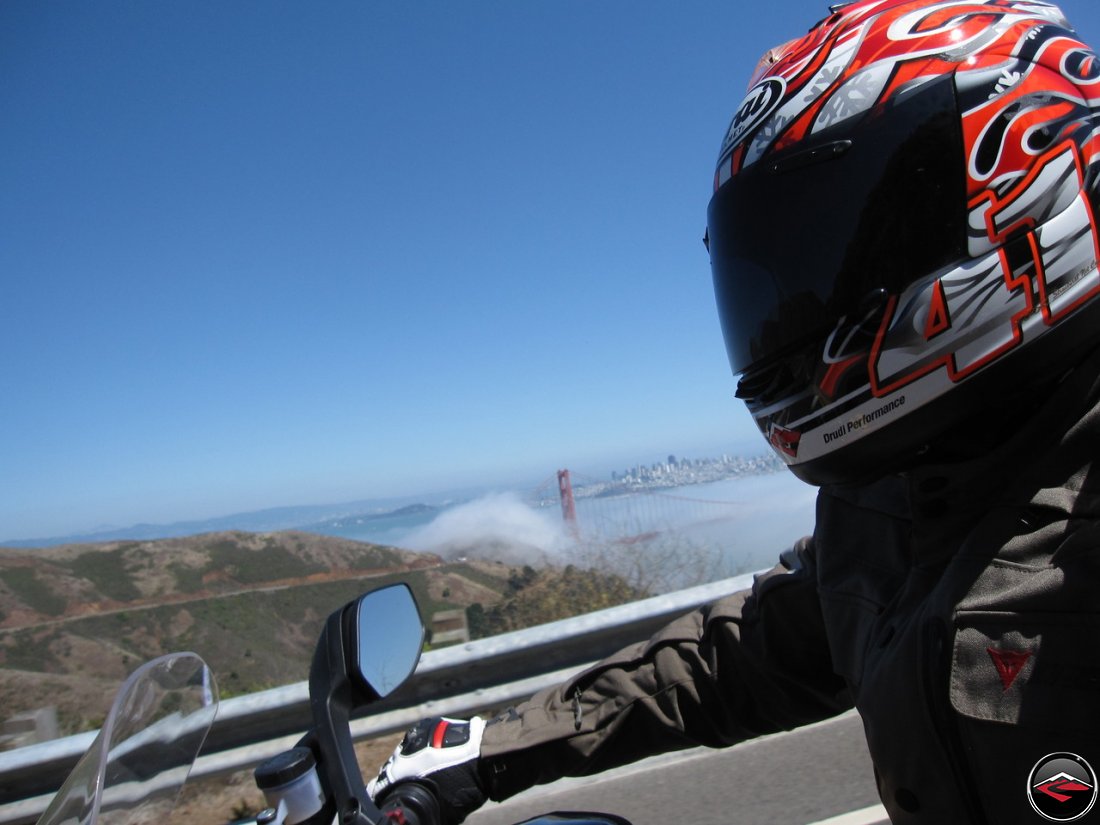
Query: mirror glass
389 636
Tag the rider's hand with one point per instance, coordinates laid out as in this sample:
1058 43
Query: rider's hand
442 754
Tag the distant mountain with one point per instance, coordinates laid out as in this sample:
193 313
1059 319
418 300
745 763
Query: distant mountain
337 524
308 518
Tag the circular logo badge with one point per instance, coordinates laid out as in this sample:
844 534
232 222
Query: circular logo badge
1062 787
762 99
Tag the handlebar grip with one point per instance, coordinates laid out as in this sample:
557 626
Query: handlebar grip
410 803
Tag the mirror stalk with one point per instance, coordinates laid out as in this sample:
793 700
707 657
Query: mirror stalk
331 700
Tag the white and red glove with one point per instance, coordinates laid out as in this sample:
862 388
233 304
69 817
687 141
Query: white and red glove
443 755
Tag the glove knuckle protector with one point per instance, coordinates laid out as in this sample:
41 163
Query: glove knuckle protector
443 754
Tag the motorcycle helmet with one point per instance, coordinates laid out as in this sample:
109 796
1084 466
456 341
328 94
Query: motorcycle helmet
903 227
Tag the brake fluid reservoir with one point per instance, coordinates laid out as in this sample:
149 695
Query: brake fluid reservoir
291 778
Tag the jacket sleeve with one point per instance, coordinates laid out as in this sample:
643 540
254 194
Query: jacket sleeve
752 663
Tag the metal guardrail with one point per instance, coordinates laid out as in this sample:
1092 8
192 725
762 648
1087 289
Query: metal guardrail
461 680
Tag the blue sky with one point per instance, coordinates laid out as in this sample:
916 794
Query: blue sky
268 253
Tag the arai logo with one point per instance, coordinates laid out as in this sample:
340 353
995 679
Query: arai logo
761 101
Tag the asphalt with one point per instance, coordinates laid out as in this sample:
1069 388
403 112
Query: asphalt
818 775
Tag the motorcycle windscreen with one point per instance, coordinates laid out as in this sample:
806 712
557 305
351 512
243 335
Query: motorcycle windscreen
799 239
138 762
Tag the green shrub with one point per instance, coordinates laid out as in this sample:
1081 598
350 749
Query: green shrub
268 563
107 571
32 591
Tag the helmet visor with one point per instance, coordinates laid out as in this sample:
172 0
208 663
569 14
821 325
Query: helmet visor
800 238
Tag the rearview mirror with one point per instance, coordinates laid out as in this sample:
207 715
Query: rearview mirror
367 649
388 638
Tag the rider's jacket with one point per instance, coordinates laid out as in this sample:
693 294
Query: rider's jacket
956 607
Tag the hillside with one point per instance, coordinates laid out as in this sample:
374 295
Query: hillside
38 586
76 619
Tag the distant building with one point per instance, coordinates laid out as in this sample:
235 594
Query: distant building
29 728
449 627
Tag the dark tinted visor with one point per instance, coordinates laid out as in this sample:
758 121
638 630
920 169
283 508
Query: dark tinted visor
800 238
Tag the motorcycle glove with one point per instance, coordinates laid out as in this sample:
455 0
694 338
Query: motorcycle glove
442 754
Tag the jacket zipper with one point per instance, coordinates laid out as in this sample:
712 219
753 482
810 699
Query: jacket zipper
936 679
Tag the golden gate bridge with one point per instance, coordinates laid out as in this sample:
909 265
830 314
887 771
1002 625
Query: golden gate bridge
653 528
595 507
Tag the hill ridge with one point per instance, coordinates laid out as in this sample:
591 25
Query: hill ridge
251 604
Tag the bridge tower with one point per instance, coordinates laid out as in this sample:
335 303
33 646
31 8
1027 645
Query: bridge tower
568 505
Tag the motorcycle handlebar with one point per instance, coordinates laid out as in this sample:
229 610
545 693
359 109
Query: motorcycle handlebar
410 803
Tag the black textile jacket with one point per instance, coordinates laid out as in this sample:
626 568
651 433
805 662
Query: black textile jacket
957 607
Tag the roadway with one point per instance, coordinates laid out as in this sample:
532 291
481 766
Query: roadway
818 775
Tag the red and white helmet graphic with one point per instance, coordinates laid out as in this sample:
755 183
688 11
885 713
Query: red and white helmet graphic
903 225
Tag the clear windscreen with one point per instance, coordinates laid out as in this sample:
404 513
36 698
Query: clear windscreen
141 758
